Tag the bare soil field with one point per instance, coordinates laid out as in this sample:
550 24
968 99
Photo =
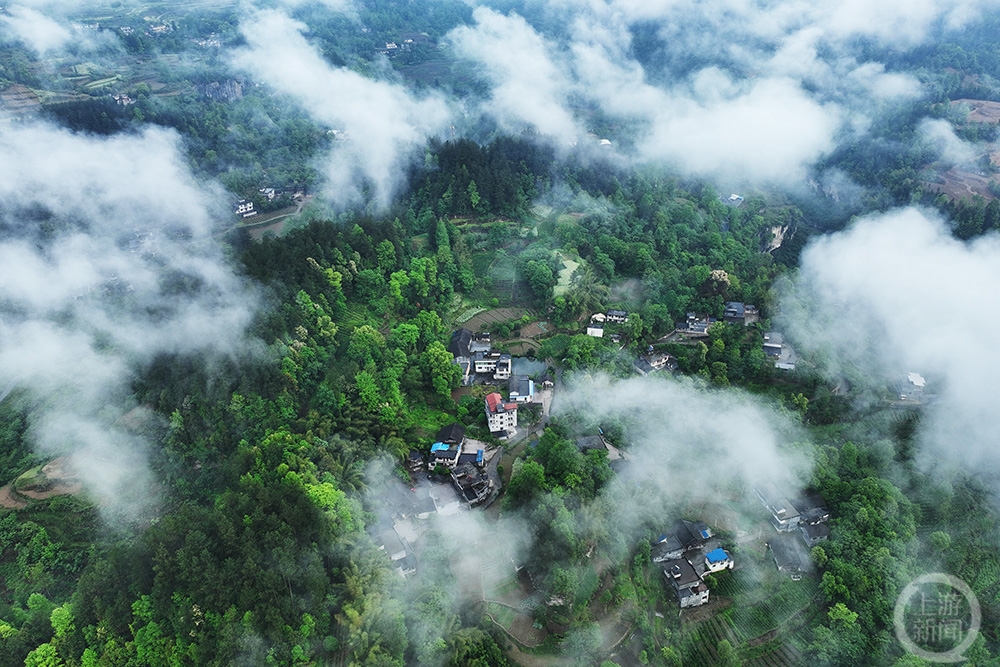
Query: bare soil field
482 321
983 111
960 184
522 628
536 329
20 98
54 479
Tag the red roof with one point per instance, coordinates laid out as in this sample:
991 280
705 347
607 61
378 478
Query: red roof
492 401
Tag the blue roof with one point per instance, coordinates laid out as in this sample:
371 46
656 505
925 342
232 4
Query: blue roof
479 456
717 555
437 446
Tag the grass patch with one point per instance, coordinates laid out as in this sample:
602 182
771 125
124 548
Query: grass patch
501 614
555 347
426 419
355 314
588 585
469 313
481 262
504 587
565 274
29 478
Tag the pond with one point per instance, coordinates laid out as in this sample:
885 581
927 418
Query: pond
525 366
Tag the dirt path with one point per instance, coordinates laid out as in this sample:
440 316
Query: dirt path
8 500
484 320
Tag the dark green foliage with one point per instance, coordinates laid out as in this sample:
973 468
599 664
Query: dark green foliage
500 179
15 453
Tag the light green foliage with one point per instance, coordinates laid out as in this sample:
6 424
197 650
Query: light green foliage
368 391
726 655
474 198
540 279
839 614
43 656
527 482
441 372
366 345
386 253
62 621
940 540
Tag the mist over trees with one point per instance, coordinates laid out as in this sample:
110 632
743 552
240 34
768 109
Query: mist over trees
205 418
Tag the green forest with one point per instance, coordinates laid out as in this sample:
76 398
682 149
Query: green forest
273 470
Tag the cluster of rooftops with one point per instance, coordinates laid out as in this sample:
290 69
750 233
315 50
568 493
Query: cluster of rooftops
688 551
463 459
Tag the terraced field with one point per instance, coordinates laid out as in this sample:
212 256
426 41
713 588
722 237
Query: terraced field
767 612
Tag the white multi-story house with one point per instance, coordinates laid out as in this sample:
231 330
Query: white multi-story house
501 417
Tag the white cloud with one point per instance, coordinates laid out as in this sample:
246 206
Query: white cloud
772 132
688 441
897 293
529 87
41 33
108 262
383 121
940 134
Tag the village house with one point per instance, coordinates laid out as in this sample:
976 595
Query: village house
521 389
784 516
617 316
391 544
595 330
591 442
476 458
653 362
789 556
447 449
495 363
813 534
717 560
464 343
807 514
415 461
598 318
737 312
452 434
812 509
445 455
546 381
473 485
687 583
501 417
244 208
911 388
772 344
683 536
459 346
695 325
779 351
403 560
